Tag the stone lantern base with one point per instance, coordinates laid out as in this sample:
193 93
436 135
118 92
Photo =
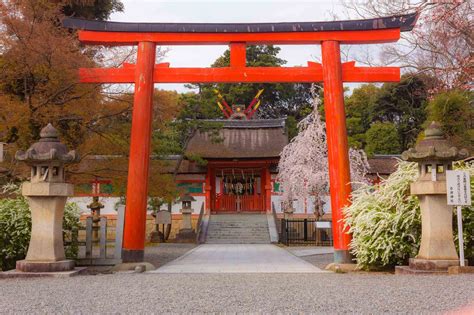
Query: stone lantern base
47 266
427 266
186 234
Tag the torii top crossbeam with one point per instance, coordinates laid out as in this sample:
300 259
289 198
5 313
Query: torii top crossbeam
381 30
330 35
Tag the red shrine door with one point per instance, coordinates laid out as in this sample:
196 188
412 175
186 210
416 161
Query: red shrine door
239 190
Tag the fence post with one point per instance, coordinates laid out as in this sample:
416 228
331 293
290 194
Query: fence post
318 234
284 235
305 230
103 237
89 237
119 232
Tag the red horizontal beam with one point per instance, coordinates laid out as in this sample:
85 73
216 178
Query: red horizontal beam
293 38
312 73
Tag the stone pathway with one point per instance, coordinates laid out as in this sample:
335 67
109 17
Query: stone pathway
238 258
310 250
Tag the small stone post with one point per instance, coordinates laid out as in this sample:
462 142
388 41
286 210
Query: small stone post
95 207
288 211
46 193
434 156
186 233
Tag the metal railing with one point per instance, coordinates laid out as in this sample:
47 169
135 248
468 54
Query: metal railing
201 227
305 232
275 219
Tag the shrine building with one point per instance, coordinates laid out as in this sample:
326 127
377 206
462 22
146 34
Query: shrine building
240 173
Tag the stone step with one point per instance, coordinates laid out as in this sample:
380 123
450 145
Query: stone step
238 229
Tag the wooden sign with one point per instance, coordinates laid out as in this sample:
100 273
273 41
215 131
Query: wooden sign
458 187
163 217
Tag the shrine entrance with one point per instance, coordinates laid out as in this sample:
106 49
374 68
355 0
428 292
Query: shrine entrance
238 190
332 72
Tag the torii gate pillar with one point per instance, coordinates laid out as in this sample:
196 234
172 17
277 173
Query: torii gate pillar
338 149
138 164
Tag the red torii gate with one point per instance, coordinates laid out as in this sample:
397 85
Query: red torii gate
330 35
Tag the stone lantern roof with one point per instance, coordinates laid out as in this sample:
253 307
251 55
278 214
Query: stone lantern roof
48 148
434 147
186 197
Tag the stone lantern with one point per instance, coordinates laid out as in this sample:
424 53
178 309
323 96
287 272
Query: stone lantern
434 156
186 233
46 193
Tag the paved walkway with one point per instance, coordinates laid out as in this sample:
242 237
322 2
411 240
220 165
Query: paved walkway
238 258
310 251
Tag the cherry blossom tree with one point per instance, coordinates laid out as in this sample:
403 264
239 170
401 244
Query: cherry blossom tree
303 167
440 45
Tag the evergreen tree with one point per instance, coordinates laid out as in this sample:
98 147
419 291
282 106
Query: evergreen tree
403 104
455 111
359 111
382 138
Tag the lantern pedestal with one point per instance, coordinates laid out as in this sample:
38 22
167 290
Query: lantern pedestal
186 233
46 249
437 251
437 241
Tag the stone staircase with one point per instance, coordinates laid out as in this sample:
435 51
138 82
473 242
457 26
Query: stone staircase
238 229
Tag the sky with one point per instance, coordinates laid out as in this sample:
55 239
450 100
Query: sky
181 11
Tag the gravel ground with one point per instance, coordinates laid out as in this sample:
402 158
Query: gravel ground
166 252
359 293
283 293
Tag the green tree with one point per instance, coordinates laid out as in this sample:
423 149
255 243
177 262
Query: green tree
403 104
92 9
359 111
455 111
382 138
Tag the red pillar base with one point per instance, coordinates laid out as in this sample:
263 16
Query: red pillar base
342 256
132 255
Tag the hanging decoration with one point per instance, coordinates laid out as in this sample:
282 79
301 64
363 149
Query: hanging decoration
238 184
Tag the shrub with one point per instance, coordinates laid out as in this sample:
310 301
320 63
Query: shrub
15 227
385 220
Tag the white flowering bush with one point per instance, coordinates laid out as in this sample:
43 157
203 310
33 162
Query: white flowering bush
15 227
385 220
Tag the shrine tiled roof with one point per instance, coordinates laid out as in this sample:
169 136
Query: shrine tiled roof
259 138
383 164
